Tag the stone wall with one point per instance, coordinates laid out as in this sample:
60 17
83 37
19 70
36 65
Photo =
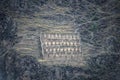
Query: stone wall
28 45
61 48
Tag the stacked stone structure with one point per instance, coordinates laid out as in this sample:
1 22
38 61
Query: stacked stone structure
52 48
61 48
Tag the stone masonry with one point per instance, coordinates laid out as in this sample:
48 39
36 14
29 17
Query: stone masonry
61 48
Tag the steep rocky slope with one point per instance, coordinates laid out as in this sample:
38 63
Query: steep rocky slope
98 23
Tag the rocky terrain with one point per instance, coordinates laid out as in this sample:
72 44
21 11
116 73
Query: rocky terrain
97 22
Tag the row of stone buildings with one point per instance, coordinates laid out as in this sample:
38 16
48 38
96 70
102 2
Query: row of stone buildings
52 48
62 46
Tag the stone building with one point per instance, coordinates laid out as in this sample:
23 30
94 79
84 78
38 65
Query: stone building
52 48
60 48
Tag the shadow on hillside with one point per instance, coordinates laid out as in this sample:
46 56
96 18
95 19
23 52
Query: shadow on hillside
103 67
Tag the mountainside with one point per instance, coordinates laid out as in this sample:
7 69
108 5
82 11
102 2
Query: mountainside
97 22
